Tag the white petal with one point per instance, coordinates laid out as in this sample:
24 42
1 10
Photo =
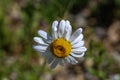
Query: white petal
62 62
79 44
77 39
43 34
39 40
68 30
77 55
54 63
61 28
68 60
77 52
54 30
72 60
40 48
76 34
50 57
44 54
80 49
46 37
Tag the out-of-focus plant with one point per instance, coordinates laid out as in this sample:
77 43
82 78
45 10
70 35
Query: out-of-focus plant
101 62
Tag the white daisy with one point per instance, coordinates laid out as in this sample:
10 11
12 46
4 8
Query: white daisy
61 47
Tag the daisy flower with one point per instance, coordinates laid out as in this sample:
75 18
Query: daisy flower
61 46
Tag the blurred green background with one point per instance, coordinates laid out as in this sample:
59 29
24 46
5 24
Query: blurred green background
21 19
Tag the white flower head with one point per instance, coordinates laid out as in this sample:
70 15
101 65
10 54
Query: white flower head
61 46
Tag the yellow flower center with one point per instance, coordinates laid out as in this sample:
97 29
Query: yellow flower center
61 48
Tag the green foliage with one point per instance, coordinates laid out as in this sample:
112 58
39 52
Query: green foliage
101 60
